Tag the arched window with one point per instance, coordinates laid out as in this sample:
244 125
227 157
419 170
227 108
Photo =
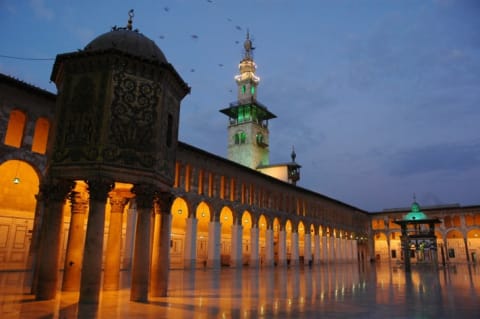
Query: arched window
16 126
40 135
240 138
260 139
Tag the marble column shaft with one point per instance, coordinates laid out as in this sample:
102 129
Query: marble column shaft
236 252
111 276
331 249
161 248
142 250
294 260
51 239
307 248
324 249
316 253
129 236
254 245
213 253
282 248
269 247
190 251
72 270
93 252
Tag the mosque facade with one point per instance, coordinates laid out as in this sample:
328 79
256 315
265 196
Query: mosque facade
94 182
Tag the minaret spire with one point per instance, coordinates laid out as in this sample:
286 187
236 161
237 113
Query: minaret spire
248 119
247 45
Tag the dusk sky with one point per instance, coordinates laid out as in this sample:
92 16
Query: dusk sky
381 99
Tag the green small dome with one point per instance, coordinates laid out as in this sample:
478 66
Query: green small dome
415 214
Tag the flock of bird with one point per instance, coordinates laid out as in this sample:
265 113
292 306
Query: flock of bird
196 37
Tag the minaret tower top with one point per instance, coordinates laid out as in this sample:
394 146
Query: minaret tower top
247 80
248 118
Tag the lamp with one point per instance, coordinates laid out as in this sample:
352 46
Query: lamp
16 179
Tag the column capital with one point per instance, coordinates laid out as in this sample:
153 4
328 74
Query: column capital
144 195
56 189
79 202
163 201
99 188
117 202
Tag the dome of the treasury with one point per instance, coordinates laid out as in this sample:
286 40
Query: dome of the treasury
127 41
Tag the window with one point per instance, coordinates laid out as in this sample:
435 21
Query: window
244 89
40 136
15 128
240 137
260 139
394 254
451 253
252 90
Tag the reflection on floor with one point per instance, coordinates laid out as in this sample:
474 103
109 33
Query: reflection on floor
326 291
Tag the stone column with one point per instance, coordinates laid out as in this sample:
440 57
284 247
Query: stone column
129 235
93 251
213 254
331 249
37 236
339 250
37 225
72 271
236 251
144 196
324 249
269 246
294 260
355 250
254 252
282 248
111 275
51 238
307 249
352 256
316 252
190 251
161 246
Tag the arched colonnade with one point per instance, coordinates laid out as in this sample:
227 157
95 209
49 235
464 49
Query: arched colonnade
216 233
454 245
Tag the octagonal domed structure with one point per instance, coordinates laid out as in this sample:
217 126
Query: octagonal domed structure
127 41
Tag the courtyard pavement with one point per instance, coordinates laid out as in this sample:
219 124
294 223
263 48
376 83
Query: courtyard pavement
323 291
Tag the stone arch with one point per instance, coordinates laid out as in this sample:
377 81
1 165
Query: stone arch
395 244
203 215
20 184
288 237
179 211
473 241
262 236
455 246
381 247
247 224
301 240
277 227
321 230
226 223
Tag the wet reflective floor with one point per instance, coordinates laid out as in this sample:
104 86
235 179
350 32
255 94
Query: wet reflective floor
324 291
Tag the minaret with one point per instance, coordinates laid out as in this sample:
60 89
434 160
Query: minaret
248 118
293 169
